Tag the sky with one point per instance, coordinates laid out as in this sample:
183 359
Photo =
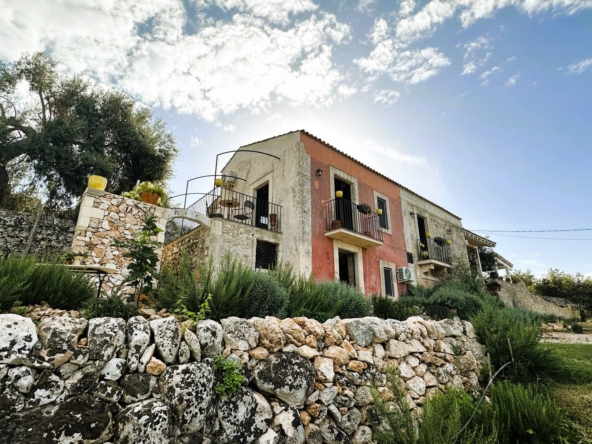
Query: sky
482 106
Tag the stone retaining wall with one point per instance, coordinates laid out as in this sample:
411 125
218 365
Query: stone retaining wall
517 295
52 237
152 380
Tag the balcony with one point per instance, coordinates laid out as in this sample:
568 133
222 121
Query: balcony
348 222
434 254
241 208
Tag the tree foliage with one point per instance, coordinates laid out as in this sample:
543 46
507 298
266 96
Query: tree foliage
67 128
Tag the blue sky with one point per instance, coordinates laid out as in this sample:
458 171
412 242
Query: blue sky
481 106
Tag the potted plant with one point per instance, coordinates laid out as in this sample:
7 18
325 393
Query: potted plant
81 258
68 257
148 192
335 224
364 208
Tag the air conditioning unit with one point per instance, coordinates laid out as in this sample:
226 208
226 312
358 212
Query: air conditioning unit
405 274
228 180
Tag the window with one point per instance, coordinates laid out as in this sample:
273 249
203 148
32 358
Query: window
383 218
265 255
409 257
388 282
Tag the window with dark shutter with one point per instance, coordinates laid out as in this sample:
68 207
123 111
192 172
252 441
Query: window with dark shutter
265 255
388 282
383 218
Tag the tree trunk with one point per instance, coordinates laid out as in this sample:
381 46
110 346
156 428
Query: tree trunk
3 182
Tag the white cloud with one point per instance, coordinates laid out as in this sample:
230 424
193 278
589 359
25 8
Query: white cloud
386 97
474 57
365 5
406 7
580 67
512 80
407 27
407 66
277 11
195 142
417 66
487 73
229 128
246 62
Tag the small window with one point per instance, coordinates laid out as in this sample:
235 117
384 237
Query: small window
383 218
409 257
265 255
388 282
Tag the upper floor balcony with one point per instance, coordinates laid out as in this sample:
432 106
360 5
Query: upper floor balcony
434 252
241 208
352 223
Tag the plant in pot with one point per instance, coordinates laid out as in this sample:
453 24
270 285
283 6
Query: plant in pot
364 208
68 257
148 192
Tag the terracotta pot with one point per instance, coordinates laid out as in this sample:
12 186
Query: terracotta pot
273 219
367 233
149 197
68 261
335 224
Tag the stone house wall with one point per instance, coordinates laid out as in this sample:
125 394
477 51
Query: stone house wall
52 237
104 217
439 222
224 237
152 380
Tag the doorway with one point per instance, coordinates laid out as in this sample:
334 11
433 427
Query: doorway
262 207
347 267
423 238
343 206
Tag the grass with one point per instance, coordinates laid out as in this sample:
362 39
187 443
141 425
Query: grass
576 360
573 390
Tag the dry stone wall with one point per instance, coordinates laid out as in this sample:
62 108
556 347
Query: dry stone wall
151 379
517 295
105 217
52 236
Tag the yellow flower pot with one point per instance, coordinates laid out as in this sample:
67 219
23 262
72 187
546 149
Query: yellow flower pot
428 234
379 212
98 182
338 194
448 242
218 182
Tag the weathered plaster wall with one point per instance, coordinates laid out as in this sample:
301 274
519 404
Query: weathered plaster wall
289 186
222 238
439 222
104 217
52 237
393 250
152 380
517 295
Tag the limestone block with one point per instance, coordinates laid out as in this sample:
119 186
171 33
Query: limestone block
167 337
244 416
18 336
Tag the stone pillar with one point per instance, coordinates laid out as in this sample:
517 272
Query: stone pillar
104 217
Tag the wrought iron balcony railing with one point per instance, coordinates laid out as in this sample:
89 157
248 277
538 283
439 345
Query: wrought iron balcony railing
341 213
238 207
434 250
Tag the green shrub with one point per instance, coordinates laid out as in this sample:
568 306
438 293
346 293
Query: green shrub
387 308
229 289
577 328
109 307
445 415
15 279
464 303
395 422
266 297
25 282
181 287
526 415
531 360
311 300
59 287
227 376
350 301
